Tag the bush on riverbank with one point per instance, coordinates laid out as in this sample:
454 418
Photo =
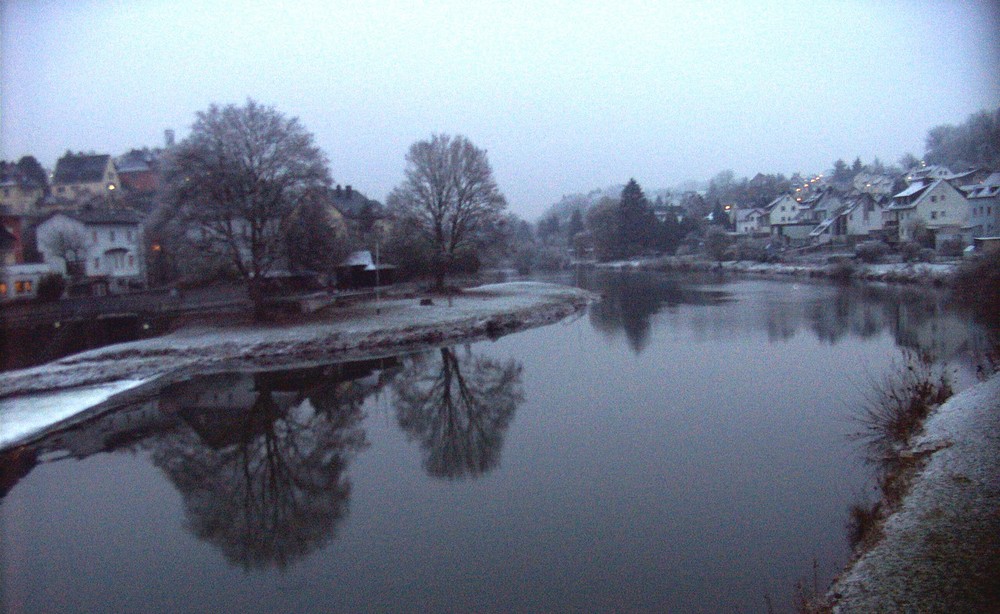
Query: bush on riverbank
871 251
893 413
977 285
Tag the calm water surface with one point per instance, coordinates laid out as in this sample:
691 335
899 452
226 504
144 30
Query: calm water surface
680 447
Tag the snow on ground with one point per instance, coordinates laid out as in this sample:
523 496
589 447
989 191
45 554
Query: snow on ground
365 329
891 272
22 417
941 549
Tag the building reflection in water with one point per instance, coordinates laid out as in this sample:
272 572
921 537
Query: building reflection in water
260 459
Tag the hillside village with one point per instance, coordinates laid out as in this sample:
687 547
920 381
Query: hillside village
93 221
94 224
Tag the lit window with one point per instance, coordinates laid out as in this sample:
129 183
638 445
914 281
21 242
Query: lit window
3 289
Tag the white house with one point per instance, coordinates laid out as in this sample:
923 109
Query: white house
864 216
784 219
984 207
938 206
752 222
103 244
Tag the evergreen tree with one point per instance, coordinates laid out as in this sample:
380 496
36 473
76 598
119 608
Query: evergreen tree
636 220
841 172
575 226
33 171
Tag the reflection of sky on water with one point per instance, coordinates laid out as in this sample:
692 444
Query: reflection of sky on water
680 448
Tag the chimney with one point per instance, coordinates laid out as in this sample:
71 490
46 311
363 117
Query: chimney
339 192
347 191
168 137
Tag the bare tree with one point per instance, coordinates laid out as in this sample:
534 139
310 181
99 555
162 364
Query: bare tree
458 410
236 181
71 247
275 487
449 196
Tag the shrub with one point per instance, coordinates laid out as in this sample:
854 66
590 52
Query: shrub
871 251
897 405
717 244
51 287
977 285
910 251
749 251
951 247
843 270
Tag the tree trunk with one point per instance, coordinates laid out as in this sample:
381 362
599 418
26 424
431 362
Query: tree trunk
255 291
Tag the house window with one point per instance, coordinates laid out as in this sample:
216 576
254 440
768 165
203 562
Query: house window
3 289
22 286
933 215
97 263
131 260
944 213
112 235
933 199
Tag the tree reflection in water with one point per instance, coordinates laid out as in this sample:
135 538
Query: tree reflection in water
628 302
458 409
266 483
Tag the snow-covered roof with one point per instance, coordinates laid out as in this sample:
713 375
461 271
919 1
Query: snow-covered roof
364 258
913 189
822 227
359 258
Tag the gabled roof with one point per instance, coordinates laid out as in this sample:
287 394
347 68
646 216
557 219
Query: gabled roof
989 187
11 174
81 168
774 203
914 188
137 160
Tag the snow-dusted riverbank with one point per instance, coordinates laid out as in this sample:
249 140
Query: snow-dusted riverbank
941 550
366 329
903 272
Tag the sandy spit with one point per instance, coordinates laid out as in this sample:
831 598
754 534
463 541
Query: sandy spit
364 330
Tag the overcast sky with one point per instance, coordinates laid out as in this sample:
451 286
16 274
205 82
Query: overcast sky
565 96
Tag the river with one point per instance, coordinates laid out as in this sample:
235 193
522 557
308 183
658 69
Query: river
682 446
